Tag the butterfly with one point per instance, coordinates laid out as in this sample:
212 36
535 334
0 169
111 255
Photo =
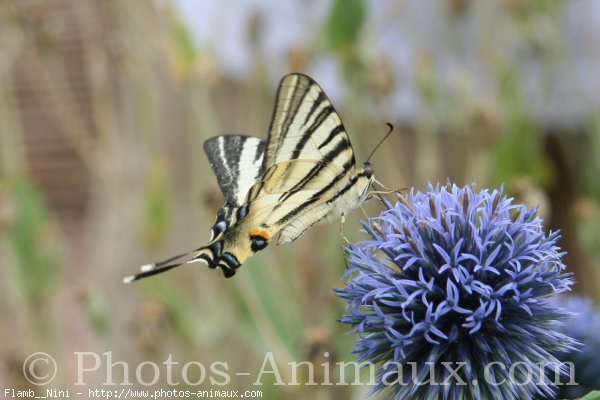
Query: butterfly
303 174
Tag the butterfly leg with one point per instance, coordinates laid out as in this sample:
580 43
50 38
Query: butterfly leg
342 236
384 189
364 213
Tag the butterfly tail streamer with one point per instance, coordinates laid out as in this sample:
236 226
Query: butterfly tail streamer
160 264
210 254
149 272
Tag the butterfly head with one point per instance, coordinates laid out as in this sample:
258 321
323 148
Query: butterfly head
368 170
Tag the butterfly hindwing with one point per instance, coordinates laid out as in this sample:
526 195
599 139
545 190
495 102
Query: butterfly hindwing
237 163
301 224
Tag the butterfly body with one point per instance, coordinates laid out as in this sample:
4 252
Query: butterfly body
303 175
290 218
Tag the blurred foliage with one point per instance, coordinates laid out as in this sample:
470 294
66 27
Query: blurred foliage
95 308
157 216
593 171
177 307
34 242
344 24
520 150
185 53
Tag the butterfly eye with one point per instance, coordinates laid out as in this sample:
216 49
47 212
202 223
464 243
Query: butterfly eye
368 170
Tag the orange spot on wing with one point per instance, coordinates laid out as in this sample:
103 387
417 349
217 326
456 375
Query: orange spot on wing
259 232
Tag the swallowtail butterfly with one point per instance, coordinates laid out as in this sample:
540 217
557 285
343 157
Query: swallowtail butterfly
303 174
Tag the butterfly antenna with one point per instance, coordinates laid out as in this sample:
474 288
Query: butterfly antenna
390 130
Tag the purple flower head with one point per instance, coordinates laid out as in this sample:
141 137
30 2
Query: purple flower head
583 365
450 297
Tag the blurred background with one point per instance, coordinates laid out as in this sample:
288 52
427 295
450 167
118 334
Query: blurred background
104 106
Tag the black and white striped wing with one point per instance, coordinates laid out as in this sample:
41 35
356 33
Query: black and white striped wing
237 163
306 126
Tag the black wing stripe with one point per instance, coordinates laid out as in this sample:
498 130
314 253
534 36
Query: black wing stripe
233 158
260 150
316 104
334 132
319 119
295 102
235 165
346 188
328 158
313 199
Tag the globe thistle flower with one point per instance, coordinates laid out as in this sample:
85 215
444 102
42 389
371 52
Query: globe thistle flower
583 365
450 297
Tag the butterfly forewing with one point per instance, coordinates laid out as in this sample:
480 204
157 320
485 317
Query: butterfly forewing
306 126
